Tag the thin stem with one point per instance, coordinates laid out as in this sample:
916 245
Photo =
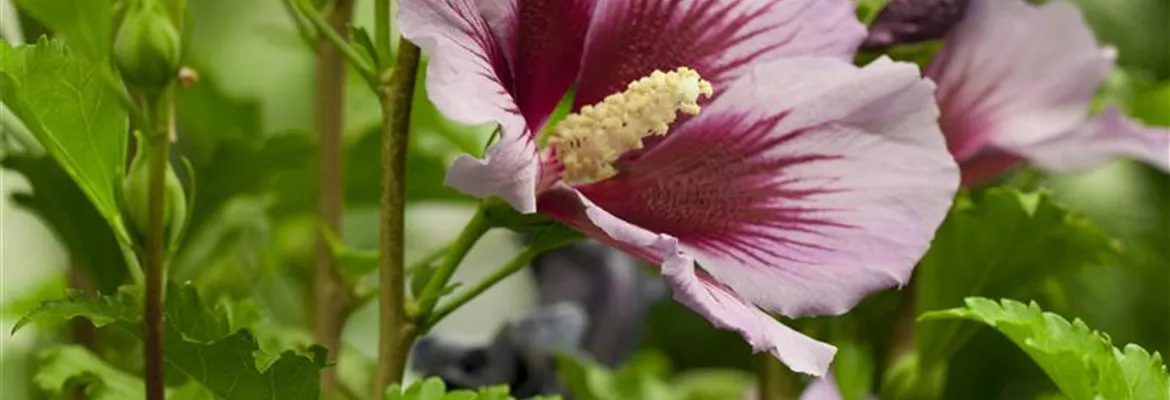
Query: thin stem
429 258
769 377
518 263
82 330
156 241
133 263
304 27
12 127
327 32
396 330
458 250
382 32
331 295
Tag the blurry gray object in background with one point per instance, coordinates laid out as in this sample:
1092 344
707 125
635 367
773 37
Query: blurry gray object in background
912 21
612 288
594 300
522 355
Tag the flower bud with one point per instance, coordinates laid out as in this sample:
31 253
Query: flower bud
136 196
147 47
913 21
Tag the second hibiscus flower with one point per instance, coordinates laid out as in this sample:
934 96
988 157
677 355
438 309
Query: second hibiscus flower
730 142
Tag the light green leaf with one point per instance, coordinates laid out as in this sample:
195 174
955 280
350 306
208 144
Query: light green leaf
201 344
712 384
640 378
998 243
65 367
1082 362
85 25
63 102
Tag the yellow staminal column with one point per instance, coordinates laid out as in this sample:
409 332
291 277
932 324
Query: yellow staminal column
589 142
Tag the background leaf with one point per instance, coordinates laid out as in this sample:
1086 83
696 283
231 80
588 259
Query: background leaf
63 102
201 344
85 25
434 389
65 367
73 219
999 243
1083 363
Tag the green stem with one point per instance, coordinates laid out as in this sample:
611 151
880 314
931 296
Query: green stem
396 329
304 27
132 263
518 263
351 55
472 232
769 377
332 299
12 127
156 241
429 258
382 33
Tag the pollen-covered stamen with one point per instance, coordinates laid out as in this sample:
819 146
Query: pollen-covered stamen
589 142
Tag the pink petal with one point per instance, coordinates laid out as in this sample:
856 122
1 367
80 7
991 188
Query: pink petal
631 38
468 80
808 184
822 389
1106 136
1013 74
697 290
543 40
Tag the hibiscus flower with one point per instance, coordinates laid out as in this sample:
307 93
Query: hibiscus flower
728 141
1015 82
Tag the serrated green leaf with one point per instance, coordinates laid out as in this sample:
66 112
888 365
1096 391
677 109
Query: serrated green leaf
85 25
65 367
998 243
1082 362
201 345
63 102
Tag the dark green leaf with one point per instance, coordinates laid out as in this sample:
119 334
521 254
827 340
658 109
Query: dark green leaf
64 209
64 103
85 25
1082 362
998 243
245 167
201 345
209 119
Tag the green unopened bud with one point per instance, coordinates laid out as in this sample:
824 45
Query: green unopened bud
136 193
147 47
